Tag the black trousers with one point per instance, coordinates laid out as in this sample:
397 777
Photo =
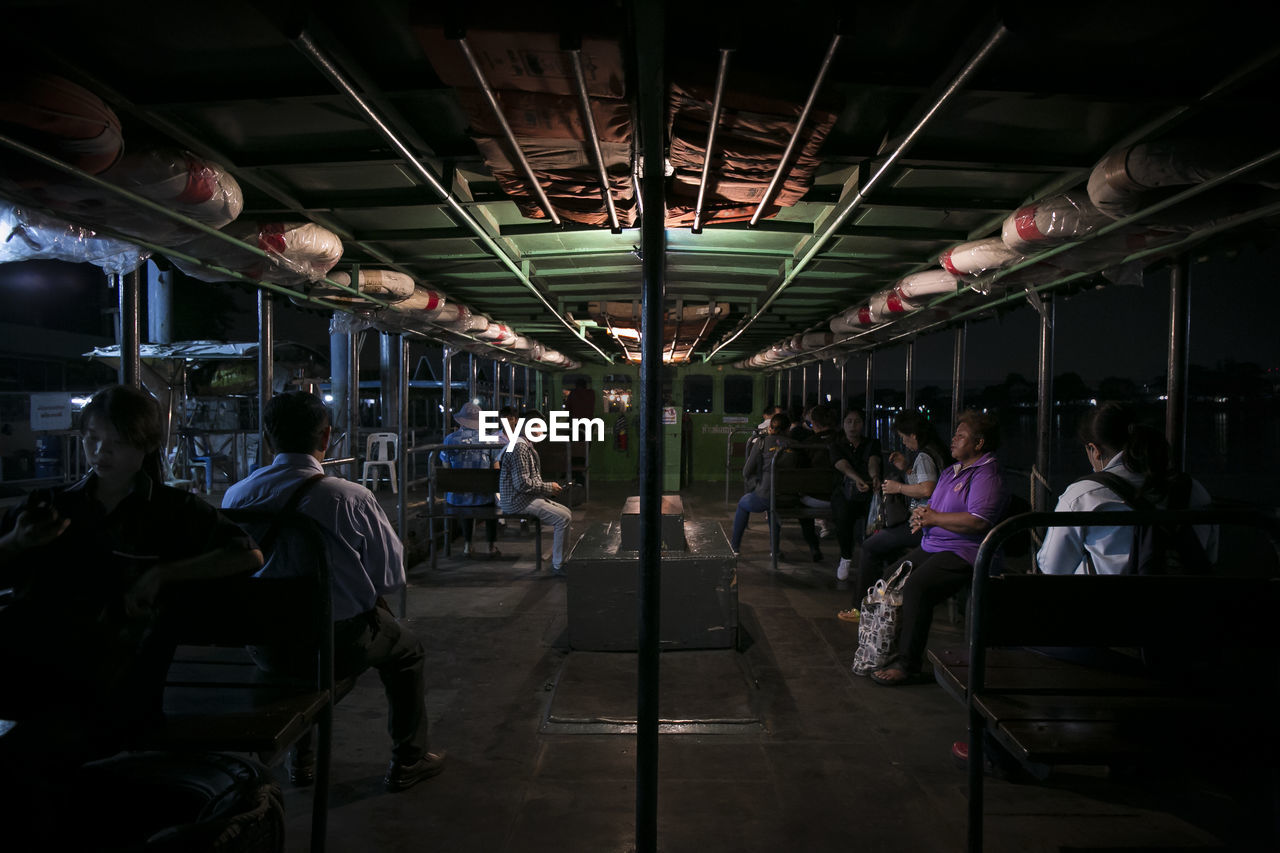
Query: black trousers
935 577
878 551
849 514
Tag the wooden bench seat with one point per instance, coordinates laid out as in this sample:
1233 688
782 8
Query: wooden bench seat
474 480
1201 701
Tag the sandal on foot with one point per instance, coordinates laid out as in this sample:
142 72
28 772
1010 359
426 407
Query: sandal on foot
853 614
880 676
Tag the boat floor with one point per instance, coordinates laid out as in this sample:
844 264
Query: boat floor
777 747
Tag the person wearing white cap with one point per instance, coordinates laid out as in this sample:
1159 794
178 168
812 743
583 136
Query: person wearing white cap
486 456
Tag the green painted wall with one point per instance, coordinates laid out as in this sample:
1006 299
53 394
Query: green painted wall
706 433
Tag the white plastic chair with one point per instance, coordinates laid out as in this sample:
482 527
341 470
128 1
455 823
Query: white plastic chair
382 448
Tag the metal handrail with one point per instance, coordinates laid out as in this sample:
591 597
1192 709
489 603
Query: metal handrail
987 550
728 454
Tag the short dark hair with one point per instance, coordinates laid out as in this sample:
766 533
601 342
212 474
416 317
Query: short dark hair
780 422
918 425
508 412
135 414
295 422
983 426
823 417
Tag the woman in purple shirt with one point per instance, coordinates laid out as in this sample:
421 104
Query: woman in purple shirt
969 499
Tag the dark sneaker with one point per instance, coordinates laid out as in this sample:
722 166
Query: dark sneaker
303 772
401 777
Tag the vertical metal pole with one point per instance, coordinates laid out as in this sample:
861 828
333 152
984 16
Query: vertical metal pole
353 402
471 382
266 367
540 388
402 453
791 389
388 379
777 389
1041 499
1175 413
160 307
844 390
804 387
871 396
821 399
130 371
648 25
957 374
446 388
527 387
340 388
909 379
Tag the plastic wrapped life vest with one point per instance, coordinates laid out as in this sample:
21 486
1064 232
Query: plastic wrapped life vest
59 118
302 252
387 285
1051 222
977 257
28 235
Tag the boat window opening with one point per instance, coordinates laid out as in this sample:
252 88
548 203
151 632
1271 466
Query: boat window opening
739 395
698 394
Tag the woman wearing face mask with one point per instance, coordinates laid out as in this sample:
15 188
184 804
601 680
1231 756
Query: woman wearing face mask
91 565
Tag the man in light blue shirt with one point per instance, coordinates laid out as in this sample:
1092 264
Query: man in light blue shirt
485 456
366 560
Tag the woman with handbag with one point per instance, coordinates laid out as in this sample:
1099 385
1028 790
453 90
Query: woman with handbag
900 497
970 497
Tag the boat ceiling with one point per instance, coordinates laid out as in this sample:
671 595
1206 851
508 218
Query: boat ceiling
1058 89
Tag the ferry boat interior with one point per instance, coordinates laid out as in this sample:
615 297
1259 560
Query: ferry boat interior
699 211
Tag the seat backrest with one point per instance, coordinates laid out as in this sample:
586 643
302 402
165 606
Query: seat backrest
479 480
381 447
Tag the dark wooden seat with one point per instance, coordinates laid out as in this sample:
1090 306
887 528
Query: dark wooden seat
1117 669
476 480
787 484
216 698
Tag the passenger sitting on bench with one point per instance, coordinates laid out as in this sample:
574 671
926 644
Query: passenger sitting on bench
825 434
880 548
969 499
1117 444
522 489
759 468
93 565
468 433
366 559
858 458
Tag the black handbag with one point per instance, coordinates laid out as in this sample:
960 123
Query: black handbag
894 510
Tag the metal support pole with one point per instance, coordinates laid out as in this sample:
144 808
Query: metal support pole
871 396
340 389
1175 413
130 371
446 389
909 379
1041 499
804 388
266 367
388 379
649 20
160 307
791 389
471 382
957 375
353 403
821 399
777 389
844 390
402 453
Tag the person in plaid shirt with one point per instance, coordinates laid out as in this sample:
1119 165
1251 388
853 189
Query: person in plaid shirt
522 489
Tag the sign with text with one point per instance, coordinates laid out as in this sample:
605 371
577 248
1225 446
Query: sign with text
50 411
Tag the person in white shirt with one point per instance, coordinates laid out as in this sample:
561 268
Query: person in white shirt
366 560
1115 442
